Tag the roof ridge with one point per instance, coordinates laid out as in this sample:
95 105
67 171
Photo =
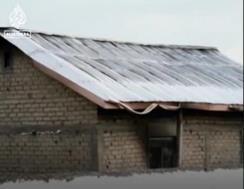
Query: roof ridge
171 46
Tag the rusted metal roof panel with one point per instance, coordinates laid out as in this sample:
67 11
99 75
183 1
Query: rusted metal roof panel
125 72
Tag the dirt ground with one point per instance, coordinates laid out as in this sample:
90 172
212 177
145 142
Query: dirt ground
219 179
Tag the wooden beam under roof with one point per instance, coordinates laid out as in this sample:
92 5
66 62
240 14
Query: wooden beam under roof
178 105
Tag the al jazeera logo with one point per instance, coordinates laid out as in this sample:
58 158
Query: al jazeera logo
17 19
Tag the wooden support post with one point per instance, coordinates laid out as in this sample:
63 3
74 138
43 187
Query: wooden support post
180 137
206 151
242 144
147 147
94 146
100 150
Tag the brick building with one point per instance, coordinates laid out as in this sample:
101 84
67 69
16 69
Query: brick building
73 104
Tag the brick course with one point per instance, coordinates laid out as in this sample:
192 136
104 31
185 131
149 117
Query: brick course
31 101
29 97
45 153
124 150
212 142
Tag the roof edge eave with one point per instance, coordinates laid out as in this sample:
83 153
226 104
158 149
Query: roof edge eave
139 107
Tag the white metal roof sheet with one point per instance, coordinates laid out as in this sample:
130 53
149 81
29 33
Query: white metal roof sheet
123 72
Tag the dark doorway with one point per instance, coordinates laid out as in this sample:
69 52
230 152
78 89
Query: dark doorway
162 152
155 157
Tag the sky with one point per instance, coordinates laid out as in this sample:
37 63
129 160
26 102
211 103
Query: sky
217 23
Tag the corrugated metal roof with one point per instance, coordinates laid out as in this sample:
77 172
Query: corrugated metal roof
126 72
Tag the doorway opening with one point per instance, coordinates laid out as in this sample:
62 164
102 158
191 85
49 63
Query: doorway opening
162 145
162 152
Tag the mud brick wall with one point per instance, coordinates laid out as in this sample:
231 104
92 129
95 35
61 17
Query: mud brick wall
123 150
31 102
45 153
29 97
212 142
